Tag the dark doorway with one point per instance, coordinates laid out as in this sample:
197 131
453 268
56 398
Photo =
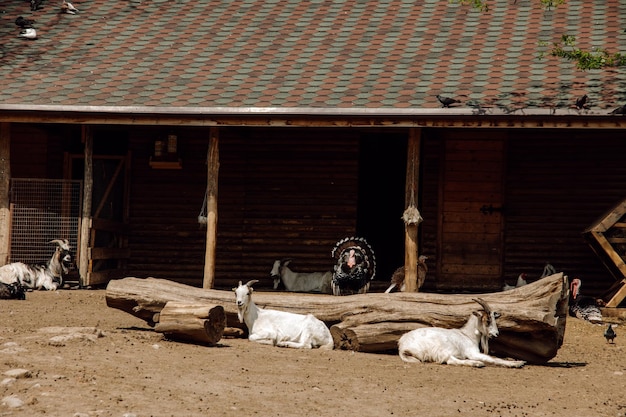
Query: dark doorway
382 177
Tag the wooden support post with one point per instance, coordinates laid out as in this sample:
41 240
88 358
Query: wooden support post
83 268
213 163
411 202
5 180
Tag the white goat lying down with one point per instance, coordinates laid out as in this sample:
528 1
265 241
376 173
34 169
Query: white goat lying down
280 328
37 277
456 346
300 281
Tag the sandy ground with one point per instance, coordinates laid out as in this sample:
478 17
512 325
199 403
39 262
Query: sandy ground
66 353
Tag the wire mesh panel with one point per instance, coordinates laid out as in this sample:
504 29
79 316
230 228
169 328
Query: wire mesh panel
43 210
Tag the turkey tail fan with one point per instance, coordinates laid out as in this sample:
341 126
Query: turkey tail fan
353 242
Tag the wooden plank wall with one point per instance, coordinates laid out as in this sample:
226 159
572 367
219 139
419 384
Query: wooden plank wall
166 240
557 186
283 193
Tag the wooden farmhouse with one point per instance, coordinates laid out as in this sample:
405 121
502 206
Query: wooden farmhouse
200 144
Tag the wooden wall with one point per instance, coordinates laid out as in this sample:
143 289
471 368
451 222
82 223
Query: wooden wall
294 192
282 193
558 185
555 186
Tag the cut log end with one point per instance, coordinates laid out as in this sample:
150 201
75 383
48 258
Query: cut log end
192 323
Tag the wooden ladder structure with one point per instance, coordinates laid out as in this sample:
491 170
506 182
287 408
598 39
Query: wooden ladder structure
607 238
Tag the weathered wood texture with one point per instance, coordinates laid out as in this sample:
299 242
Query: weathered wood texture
200 324
532 324
5 180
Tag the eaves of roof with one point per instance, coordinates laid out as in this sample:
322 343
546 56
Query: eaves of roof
312 117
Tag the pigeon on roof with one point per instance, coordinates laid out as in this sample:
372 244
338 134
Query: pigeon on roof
619 110
24 23
28 33
68 8
35 4
446 101
581 102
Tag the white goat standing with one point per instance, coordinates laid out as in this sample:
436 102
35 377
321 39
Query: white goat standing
300 281
280 328
456 346
37 277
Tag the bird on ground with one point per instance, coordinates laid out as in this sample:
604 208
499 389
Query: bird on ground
609 334
581 306
67 7
397 278
581 102
24 23
447 101
355 266
28 33
619 110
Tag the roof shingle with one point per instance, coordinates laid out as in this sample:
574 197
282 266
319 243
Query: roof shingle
293 53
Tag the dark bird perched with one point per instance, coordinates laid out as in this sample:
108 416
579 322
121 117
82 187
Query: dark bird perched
355 266
581 102
446 101
35 4
619 110
609 334
24 23
581 306
13 291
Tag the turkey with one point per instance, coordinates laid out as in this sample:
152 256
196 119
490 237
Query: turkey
581 306
397 279
355 266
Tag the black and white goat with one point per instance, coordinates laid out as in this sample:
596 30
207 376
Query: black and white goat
300 281
37 277
280 328
456 346
12 291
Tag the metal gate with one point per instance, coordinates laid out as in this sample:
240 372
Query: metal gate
43 210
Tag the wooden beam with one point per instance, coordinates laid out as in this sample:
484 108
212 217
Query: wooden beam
5 180
83 269
213 166
411 247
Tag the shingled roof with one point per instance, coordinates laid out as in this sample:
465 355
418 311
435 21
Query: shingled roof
336 54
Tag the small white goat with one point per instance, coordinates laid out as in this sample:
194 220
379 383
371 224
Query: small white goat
37 277
280 328
456 346
300 281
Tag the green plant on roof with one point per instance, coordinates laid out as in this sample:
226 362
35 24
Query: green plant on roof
483 5
586 60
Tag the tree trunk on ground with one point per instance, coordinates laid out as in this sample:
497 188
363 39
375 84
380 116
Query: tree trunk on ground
532 324
192 323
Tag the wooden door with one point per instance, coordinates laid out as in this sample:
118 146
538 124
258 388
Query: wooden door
471 220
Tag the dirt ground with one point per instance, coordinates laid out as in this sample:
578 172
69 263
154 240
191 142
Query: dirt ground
81 358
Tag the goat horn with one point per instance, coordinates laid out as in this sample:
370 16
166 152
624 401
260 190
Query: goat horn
251 282
483 303
62 243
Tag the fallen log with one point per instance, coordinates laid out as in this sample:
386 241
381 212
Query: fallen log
532 322
192 323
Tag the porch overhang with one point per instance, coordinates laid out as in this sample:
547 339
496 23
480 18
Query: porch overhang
460 117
